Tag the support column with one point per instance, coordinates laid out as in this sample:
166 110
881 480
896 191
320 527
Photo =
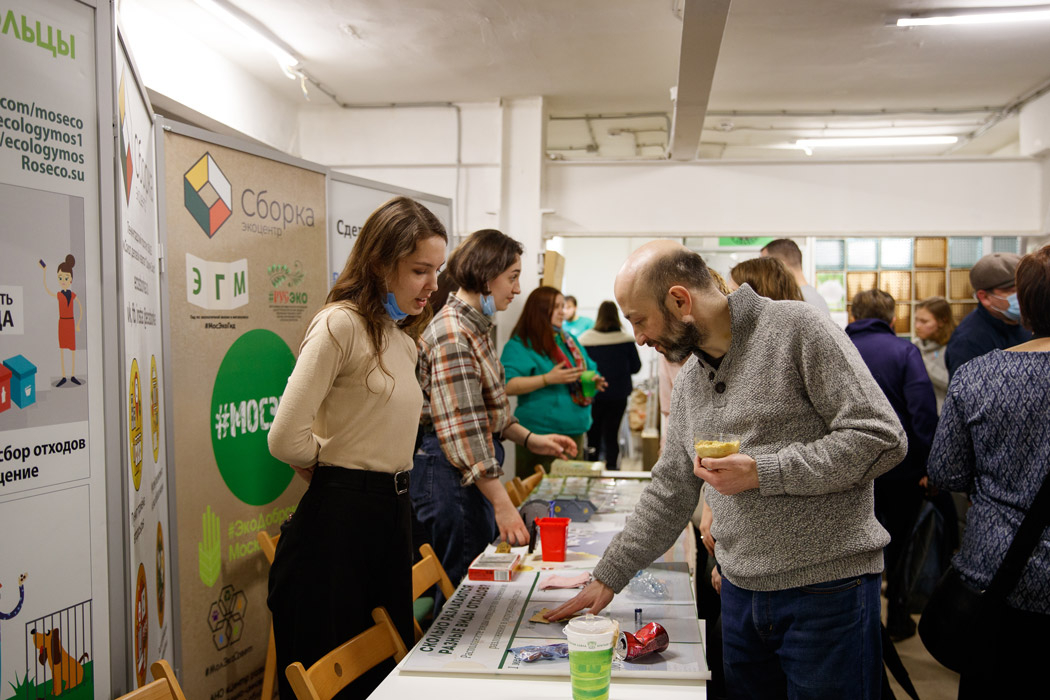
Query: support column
521 188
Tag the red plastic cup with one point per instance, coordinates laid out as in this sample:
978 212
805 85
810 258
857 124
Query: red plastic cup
552 536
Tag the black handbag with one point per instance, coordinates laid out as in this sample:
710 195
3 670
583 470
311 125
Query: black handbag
961 625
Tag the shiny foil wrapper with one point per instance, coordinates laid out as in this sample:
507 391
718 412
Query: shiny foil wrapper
648 640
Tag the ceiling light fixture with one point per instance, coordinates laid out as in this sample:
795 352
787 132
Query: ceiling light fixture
986 15
250 28
808 145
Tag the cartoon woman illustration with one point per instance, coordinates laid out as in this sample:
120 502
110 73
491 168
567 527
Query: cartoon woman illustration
67 327
18 608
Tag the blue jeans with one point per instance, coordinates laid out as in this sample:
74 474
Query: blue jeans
459 520
818 641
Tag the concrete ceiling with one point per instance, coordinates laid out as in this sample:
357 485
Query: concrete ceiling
814 59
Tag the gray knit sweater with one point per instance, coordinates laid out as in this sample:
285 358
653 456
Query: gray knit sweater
808 411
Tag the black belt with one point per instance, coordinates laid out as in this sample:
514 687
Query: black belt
382 483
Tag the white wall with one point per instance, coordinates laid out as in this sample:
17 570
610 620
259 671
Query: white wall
1045 202
187 72
1034 127
840 198
416 148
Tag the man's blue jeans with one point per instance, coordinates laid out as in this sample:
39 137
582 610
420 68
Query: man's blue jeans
818 641
459 520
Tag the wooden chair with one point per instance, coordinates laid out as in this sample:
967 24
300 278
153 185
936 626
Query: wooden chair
339 667
425 573
530 483
164 687
514 493
268 545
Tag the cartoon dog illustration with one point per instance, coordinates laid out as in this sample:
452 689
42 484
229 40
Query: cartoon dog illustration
66 672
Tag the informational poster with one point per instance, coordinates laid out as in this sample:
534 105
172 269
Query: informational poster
53 600
245 272
484 624
351 200
143 394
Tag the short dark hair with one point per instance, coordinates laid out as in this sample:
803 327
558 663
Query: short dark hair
1033 291
569 297
481 258
874 303
681 267
785 250
608 318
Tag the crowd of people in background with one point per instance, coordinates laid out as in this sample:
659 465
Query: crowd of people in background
840 442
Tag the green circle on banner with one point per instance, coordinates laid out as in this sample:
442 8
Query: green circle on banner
244 400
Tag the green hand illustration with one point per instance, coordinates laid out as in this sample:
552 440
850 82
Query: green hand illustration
209 549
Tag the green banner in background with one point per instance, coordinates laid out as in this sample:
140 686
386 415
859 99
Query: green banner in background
736 242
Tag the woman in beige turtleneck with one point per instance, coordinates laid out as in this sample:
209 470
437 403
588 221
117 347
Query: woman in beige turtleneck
347 424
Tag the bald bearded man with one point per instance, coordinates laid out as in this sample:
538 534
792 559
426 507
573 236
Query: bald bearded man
798 544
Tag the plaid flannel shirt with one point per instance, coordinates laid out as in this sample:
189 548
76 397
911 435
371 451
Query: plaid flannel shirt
464 390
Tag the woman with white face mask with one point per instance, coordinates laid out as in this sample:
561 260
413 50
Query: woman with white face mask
456 489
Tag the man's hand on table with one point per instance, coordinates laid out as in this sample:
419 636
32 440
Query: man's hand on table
595 596
728 475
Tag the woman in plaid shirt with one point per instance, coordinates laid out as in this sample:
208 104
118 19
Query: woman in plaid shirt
455 486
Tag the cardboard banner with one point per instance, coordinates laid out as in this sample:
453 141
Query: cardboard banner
352 199
53 561
143 394
245 268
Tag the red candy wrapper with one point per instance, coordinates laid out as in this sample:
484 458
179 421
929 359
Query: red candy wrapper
648 640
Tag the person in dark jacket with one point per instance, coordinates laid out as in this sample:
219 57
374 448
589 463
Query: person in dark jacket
899 370
617 358
995 323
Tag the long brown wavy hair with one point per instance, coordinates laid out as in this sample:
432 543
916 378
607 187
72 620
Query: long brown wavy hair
769 277
390 234
534 325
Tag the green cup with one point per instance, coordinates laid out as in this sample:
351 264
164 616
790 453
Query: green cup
591 640
589 386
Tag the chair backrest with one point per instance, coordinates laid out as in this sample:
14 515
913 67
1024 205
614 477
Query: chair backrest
531 482
339 667
165 687
425 573
514 493
268 544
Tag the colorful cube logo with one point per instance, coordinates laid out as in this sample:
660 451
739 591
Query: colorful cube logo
207 195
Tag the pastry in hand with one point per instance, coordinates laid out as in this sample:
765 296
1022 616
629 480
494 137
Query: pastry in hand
715 448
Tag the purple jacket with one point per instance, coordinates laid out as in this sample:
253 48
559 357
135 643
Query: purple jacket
898 369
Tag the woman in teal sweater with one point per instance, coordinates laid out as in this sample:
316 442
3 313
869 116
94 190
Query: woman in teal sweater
544 364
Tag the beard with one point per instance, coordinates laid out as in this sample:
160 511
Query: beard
680 339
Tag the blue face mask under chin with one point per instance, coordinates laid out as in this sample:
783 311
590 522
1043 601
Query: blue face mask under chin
392 309
1013 310
488 305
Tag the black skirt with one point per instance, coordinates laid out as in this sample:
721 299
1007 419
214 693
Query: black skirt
346 550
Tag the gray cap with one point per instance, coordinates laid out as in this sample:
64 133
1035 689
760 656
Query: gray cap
995 271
